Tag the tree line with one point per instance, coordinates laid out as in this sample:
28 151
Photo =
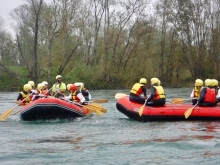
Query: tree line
111 43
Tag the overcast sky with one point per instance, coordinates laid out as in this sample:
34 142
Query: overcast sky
6 6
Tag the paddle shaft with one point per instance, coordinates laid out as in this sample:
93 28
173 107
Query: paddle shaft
7 113
142 108
189 111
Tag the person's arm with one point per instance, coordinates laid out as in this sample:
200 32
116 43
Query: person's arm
144 90
68 97
18 101
90 96
192 94
202 95
218 94
81 97
152 94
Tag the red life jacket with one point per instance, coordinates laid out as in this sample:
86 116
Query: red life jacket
210 95
74 96
46 92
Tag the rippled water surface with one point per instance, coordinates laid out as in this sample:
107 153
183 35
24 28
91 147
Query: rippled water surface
108 139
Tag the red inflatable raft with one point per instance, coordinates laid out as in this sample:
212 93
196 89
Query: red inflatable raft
52 108
168 112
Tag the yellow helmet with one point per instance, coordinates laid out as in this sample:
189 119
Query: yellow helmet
143 81
40 86
45 83
154 80
214 82
199 82
68 87
208 82
58 76
31 83
27 87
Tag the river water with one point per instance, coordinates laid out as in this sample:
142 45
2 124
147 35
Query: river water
108 139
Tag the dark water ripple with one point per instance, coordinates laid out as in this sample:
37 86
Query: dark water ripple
108 139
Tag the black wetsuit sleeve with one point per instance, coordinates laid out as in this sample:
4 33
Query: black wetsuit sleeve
19 97
202 95
85 93
144 91
152 94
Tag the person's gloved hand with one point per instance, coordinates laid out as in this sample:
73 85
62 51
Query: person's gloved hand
84 103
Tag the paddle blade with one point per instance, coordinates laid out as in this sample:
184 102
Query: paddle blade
6 114
177 101
98 112
141 109
188 112
100 101
120 95
99 107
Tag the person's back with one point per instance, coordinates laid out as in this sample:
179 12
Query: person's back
137 90
157 95
208 95
196 91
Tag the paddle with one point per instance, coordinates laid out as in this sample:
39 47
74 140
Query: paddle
179 100
17 112
99 107
97 111
141 109
120 95
176 101
189 111
99 101
91 108
7 113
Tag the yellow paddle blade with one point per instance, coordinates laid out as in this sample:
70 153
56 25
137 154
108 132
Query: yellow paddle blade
98 112
120 95
188 112
6 114
177 101
97 106
141 109
100 101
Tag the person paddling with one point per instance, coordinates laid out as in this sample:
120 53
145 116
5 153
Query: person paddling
217 91
85 92
136 91
25 96
45 90
157 95
32 85
75 95
38 92
196 91
59 88
208 95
